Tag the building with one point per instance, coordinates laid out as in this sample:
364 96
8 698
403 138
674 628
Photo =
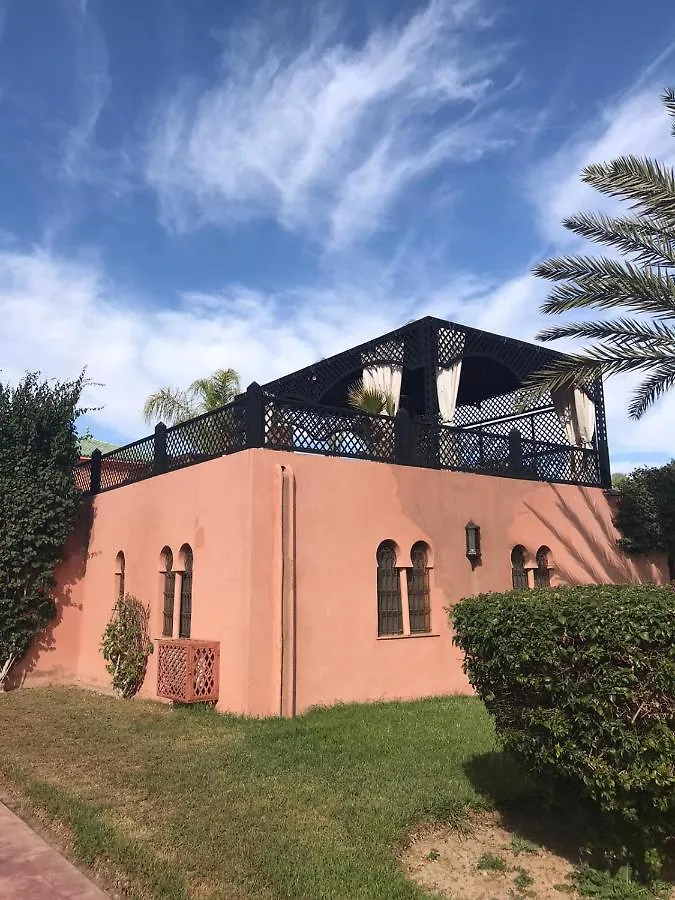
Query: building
316 549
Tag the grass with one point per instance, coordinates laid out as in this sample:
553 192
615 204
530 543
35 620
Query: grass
186 803
520 845
489 862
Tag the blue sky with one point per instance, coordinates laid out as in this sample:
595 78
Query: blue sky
189 184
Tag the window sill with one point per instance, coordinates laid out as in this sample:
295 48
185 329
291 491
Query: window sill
405 637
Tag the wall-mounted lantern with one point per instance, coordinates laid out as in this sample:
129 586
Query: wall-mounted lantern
472 543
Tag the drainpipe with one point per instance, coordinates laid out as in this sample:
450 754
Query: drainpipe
286 593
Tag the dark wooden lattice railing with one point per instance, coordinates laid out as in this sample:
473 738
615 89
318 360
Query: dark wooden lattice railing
529 445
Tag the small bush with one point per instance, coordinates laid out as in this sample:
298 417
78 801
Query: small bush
126 645
581 682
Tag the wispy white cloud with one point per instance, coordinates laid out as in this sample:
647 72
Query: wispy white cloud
636 123
326 137
92 87
131 347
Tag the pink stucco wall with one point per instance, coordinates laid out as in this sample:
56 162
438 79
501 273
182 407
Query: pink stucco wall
284 570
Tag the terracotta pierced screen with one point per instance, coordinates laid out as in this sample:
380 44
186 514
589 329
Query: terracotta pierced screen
188 671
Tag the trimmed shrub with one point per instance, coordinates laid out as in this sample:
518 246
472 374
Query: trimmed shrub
126 645
581 683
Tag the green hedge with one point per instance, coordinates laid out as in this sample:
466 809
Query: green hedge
581 682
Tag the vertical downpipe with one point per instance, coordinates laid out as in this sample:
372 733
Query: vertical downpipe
286 594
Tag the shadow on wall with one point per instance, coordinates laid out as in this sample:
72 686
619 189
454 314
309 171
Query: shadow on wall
69 572
594 551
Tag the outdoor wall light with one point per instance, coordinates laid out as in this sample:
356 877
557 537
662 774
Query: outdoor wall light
472 543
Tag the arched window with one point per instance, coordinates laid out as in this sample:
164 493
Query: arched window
542 574
169 591
389 609
185 592
518 572
120 565
418 589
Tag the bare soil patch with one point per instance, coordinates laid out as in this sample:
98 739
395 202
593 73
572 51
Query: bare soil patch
487 861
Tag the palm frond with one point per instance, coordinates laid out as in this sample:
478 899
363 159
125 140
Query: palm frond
646 183
370 400
583 369
619 332
643 284
603 283
656 384
668 98
217 390
643 237
168 405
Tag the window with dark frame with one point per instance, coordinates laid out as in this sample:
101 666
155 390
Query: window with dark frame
120 565
169 591
519 577
418 589
185 621
542 574
389 607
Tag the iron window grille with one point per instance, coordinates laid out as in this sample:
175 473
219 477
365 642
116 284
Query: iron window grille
185 622
119 576
389 607
169 592
519 577
542 574
418 590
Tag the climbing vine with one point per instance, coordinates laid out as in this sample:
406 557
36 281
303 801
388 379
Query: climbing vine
126 645
39 505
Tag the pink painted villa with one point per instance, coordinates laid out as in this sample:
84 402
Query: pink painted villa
294 551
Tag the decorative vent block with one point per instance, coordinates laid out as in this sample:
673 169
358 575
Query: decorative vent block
187 670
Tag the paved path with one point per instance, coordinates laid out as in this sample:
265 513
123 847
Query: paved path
32 870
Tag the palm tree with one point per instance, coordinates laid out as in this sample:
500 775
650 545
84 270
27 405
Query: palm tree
643 283
371 400
173 405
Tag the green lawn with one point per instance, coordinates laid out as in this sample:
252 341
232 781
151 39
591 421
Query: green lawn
185 803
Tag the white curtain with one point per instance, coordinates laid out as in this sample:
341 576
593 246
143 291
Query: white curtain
386 379
447 385
576 412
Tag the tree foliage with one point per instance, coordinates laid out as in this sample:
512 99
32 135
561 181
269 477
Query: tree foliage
173 405
643 283
126 645
581 683
39 504
646 510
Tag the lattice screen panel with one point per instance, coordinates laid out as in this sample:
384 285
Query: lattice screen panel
82 476
213 434
188 670
334 432
127 464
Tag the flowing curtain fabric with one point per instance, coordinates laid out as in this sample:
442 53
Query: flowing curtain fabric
447 389
447 385
576 412
386 379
